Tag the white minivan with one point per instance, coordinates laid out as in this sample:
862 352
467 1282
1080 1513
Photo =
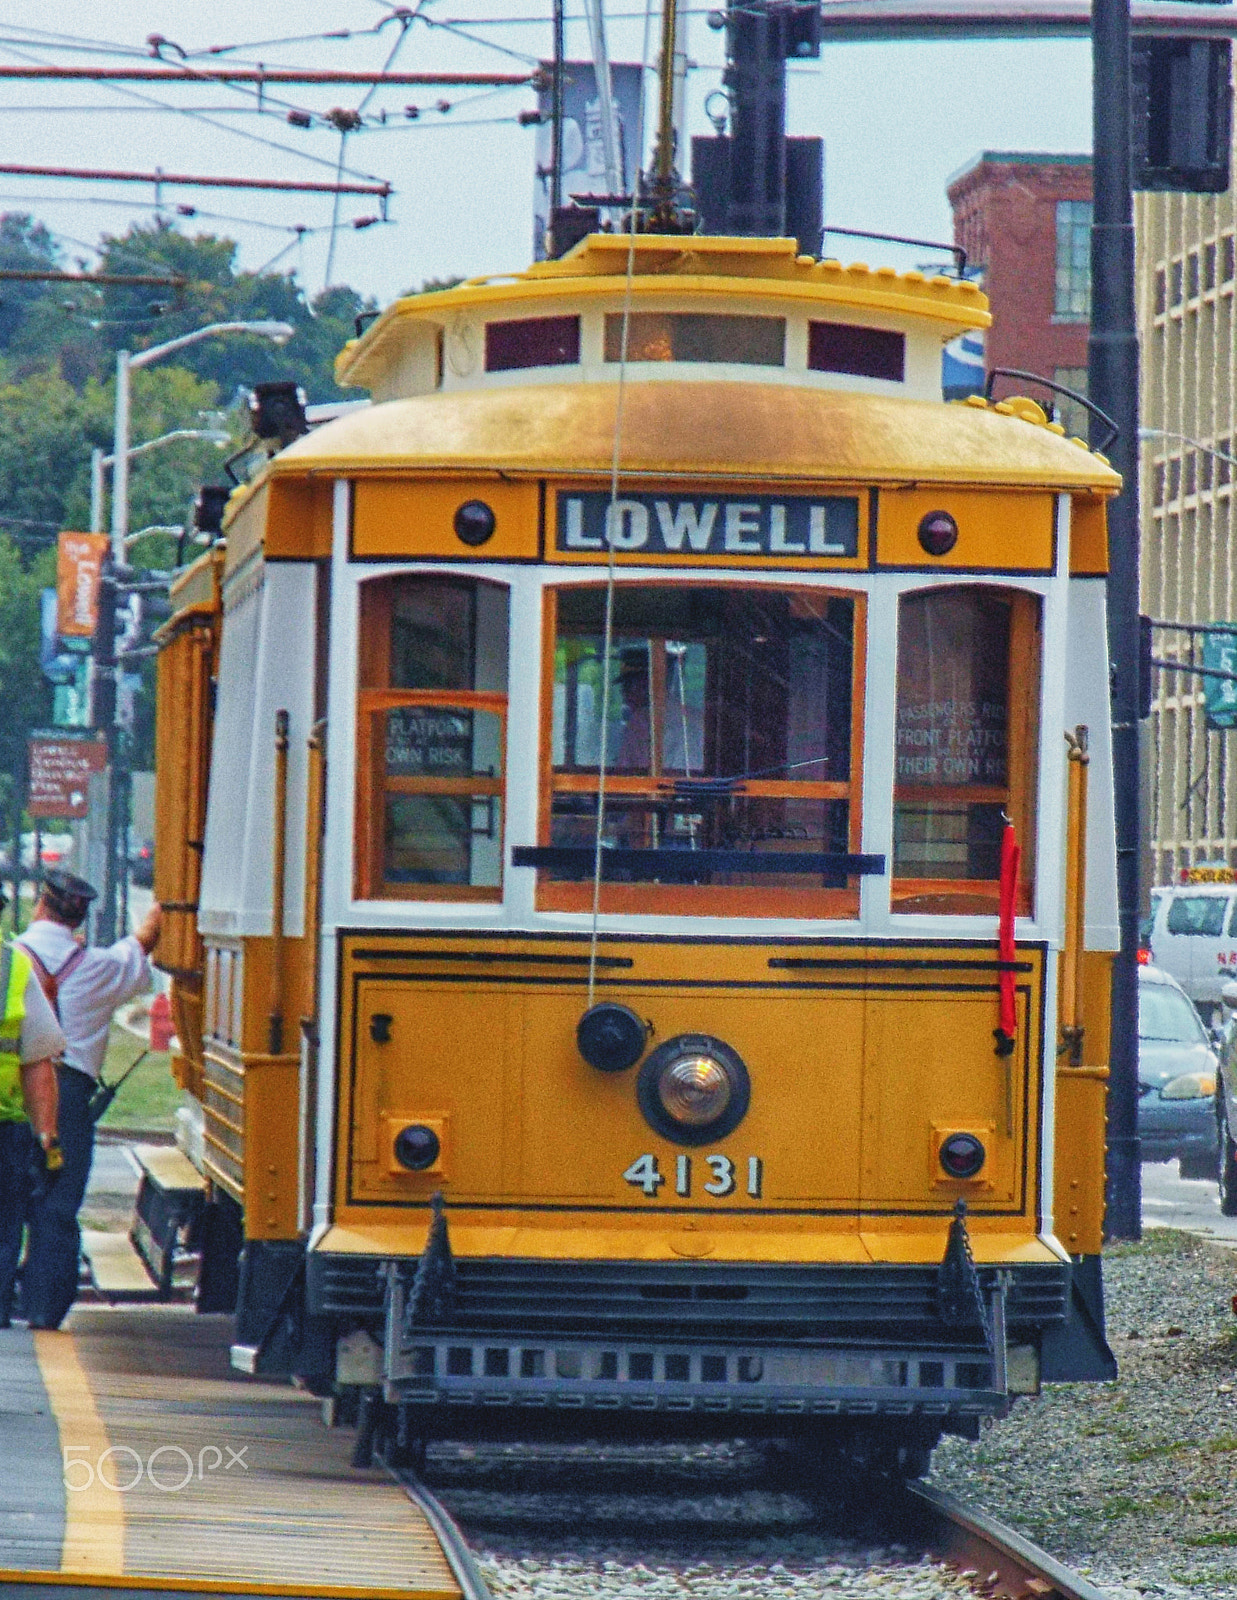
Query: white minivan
1194 938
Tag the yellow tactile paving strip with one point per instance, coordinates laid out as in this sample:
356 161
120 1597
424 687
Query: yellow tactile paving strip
193 1475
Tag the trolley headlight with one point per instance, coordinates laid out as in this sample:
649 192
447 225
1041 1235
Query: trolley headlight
1189 1086
694 1089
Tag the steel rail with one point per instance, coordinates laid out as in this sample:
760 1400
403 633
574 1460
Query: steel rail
999 1563
1004 1562
455 1548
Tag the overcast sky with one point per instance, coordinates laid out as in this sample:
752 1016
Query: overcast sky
897 120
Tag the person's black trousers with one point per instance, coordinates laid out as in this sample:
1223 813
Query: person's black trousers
16 1154
49 1281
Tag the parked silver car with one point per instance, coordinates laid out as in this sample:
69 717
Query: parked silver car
1177 1092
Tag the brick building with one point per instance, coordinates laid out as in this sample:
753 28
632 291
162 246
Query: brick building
1025 223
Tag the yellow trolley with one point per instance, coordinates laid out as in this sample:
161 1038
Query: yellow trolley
590 778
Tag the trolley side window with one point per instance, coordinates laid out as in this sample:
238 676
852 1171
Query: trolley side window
431 732
731 734
967 743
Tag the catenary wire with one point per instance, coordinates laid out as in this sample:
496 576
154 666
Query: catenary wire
611 568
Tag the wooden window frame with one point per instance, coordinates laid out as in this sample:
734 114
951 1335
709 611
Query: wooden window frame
704 900
374 697
959 897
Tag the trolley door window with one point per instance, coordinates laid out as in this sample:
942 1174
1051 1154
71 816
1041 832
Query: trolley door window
431 736
731 741
967 744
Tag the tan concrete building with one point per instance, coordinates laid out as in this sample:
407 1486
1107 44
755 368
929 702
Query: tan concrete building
1187 262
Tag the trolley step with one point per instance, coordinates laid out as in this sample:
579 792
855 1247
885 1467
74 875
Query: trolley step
169 1201
116 1270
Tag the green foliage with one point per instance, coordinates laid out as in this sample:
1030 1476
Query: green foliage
25 696
58 344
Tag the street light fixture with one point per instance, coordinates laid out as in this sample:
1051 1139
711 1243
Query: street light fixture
99 463
1184 438
126 362
103 684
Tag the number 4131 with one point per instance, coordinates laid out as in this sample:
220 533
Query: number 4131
645 1174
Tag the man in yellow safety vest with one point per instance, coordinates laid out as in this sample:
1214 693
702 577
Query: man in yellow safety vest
30 1041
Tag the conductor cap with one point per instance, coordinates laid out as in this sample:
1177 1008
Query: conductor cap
68 896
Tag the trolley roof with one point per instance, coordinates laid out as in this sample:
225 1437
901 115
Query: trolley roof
699 270
719 430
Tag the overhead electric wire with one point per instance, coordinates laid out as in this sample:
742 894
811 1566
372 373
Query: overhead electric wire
241 77
343 145
238 133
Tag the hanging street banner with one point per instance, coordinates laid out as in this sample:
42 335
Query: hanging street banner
61 763
1220 694
79 561
583 164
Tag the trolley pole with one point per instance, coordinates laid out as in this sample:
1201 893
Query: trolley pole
1113 385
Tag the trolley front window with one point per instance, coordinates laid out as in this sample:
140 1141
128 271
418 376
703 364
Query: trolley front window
966 745
730 725
430 739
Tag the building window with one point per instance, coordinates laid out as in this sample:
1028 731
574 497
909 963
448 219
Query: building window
1174 291
1226 258
1209 267
1073 300
1191 276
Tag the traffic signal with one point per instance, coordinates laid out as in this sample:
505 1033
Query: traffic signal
1181 110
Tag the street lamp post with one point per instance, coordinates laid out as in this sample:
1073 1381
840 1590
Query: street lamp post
100 462
127 363
105 665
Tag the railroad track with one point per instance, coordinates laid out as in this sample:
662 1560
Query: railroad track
918 1520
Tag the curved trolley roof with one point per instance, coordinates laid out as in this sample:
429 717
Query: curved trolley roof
724 429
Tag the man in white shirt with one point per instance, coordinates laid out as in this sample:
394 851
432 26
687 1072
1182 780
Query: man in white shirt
84 986
28 1053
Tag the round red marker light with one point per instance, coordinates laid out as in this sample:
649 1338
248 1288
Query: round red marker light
938 533
962 1155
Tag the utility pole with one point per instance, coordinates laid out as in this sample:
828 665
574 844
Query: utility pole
103 716
1113 386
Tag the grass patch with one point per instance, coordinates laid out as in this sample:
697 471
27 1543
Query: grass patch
1121 1505
1150 1451
150 1098
1213 1541
1155 1242
1221 1445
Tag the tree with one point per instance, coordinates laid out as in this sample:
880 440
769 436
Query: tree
25 695
25 246
215 292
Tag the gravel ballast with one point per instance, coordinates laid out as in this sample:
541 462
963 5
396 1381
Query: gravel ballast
1133 1483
